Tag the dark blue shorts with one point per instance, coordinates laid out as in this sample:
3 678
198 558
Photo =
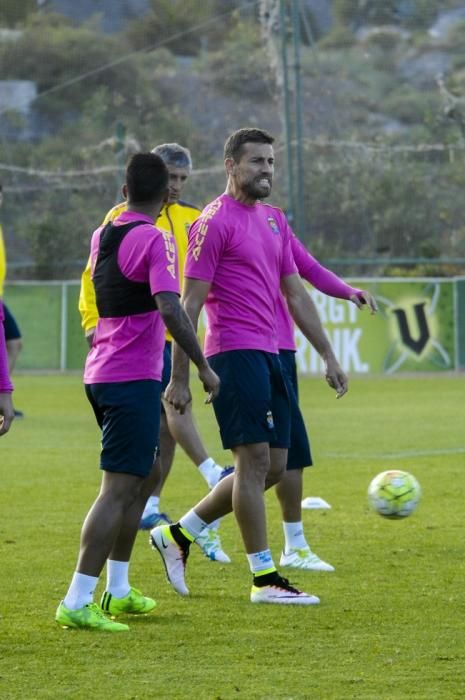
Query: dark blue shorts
253 404
129 415
166 371
299 454
12 331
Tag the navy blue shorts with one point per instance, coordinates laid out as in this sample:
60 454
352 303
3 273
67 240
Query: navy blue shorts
253 403
129 415
166 371
299 454
12 331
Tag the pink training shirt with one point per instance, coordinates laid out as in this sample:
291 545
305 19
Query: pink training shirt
6 387
129 348
320 277
243 251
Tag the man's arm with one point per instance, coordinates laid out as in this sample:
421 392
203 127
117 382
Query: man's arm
306 317
326 281
186 346
88 304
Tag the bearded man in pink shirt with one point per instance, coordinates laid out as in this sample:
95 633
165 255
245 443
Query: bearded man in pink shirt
239 259
135 275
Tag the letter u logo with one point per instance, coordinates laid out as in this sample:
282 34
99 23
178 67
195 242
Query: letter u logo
418 343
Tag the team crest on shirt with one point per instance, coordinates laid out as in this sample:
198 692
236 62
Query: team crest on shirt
273 225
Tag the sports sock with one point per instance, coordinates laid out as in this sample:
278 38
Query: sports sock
261 562
210 471
294 536
152 505
192 524
81 591
118 578
181 536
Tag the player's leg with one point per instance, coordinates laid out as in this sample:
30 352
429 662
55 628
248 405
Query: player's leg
126 461
181 428
151 515
296 551
241 416
104 521
271 587
184 430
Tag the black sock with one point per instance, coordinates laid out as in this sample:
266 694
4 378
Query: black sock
179 537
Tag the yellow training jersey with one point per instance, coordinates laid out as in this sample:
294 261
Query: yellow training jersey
2 263
176 217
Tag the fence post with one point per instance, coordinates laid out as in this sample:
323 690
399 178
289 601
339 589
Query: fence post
64 326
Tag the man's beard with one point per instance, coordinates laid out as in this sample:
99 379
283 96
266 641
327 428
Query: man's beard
252 189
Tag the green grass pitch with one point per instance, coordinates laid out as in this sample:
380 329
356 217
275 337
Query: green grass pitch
391 624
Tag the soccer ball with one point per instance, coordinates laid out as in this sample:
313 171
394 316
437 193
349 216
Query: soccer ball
394 494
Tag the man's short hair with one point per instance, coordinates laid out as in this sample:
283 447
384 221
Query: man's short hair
174 154
146 178
235 142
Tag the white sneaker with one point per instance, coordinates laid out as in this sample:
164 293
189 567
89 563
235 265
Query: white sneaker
210 544
304 559
173 555
283 593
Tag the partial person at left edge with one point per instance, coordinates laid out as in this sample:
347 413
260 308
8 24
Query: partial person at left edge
13 339
6 387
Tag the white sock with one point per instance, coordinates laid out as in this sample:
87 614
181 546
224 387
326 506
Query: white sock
152 506
81 591
261 561
211 471
118 578
294 536
192 524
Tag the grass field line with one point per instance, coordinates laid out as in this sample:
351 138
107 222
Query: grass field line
397 455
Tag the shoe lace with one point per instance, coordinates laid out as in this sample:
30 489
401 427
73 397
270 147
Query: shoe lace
213 541
282 582
207 540
96 610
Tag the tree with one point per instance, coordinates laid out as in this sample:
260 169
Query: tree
13 13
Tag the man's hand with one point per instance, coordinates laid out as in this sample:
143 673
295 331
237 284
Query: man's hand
178 395
365 299
336 377
210 381
7 413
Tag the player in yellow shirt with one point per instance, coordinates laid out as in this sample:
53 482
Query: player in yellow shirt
176 216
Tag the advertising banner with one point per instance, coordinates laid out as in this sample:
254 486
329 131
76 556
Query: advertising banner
414 330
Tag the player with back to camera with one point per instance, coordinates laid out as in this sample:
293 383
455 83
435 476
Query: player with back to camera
176 216
134 270
239 257
6 387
